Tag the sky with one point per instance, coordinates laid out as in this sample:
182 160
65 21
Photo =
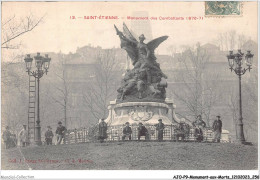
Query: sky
59 32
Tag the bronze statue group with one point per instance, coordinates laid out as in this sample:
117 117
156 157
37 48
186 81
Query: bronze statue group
146 80
182 131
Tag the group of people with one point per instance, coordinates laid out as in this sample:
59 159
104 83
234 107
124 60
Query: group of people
127 131
142 131
10 139
60 133
182 131
199 126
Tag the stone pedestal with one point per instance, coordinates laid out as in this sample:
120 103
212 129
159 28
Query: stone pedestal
147 113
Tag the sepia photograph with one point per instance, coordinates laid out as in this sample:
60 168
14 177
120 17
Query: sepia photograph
130 86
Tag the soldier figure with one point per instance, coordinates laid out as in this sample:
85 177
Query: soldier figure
102 130
48 136
7 137
23 137
60 132
217 128
142 131
137 81
160 128
127 131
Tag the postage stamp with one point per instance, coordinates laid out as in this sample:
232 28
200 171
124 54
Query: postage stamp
223 8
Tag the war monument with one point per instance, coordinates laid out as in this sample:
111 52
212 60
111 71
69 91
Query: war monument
142 94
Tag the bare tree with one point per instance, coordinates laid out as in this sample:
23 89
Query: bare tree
14 94
220 41
241 40
233 106
172 49
61 97
14 78
250 106
198 93
102 88
226 40
230 40
12 28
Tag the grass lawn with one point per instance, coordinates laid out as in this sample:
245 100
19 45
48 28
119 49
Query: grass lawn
133 156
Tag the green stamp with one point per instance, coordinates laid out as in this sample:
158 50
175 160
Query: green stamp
223 8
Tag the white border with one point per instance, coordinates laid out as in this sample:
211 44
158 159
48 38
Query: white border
123 174
127 174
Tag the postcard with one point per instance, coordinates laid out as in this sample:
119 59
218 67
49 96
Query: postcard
94 86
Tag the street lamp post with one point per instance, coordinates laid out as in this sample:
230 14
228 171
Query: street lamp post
235 64
42 65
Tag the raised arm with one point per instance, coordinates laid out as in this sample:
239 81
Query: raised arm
129 37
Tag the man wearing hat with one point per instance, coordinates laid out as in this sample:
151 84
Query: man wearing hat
217 128
102 127
48 136
7 137
199 133
127 131
199 121
180 131
60 132
142 131
23 137
160 128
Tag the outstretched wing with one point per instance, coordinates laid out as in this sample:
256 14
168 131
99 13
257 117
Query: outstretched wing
153 44
128 43
127 33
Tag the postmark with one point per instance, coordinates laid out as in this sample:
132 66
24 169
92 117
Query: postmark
223 9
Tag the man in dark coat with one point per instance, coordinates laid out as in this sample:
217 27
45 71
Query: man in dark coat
13 141
180 131
199 122
127 132
102 129
142 131
7 137
60 132
160 127
48 136
199 133
217 128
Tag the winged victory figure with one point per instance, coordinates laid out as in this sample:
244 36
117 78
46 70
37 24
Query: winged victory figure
143 60
141 54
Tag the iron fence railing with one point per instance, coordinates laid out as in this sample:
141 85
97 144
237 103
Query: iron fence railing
76 136
115 133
